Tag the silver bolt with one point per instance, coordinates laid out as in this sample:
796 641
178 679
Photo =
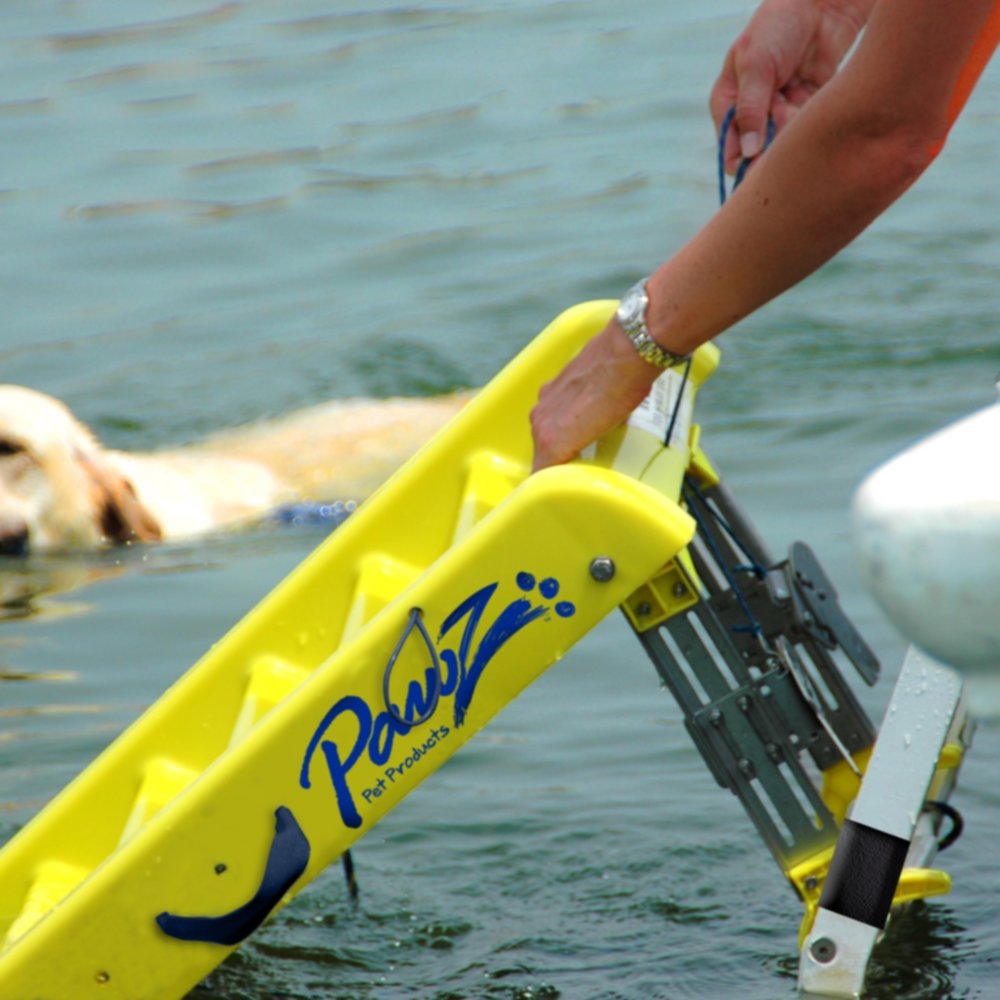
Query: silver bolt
679 590
812 883
643 608
602 568
823 950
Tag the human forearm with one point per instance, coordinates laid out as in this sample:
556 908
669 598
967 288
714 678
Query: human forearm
856 147
810 195
807 199
839 160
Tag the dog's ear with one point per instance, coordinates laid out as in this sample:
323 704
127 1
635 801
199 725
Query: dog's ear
121 518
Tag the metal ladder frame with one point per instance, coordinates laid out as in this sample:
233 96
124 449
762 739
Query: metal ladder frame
749 648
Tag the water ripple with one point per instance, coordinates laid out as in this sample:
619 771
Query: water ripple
145 31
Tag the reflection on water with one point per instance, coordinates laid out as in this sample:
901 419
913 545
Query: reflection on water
57 676
920 956
150 30
28 588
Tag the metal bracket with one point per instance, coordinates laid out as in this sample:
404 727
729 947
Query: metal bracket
752 651
819 613
752 667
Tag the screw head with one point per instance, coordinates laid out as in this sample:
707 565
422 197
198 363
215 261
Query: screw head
602 568
823 950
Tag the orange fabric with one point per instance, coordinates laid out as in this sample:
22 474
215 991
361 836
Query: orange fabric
987 41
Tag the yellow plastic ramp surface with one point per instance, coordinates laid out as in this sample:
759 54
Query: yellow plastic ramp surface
291 737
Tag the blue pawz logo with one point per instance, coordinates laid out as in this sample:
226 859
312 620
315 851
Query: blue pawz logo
521 612
466 646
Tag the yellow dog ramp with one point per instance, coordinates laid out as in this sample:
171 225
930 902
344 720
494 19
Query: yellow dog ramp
447 593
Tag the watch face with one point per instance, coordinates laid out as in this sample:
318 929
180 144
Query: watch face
631 310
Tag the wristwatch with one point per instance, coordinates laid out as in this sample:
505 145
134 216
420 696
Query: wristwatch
631 316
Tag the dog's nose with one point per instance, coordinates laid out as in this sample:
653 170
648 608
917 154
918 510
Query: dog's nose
13 536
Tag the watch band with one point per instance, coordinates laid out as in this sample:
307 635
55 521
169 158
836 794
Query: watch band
631 317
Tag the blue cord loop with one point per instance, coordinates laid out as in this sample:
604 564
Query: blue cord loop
760 572
753 566
753 626
744 163
677 405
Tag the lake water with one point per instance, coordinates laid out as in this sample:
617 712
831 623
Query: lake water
215 214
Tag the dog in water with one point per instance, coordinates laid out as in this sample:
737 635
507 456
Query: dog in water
61 491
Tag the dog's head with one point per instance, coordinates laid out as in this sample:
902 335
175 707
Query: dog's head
57 489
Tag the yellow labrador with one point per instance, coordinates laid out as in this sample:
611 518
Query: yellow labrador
60 490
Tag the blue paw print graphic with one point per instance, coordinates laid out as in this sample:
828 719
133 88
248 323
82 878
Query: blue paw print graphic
548 588
520 613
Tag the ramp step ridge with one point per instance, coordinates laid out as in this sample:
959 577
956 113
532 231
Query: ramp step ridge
271 681
53 882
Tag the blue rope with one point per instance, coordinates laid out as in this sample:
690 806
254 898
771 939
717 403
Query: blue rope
752 626
677 405
744 163
752 566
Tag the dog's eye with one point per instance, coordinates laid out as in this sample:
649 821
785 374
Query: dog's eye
10 448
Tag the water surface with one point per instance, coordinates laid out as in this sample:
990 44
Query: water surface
215 213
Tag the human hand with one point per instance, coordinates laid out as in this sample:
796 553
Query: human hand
787 52
595 392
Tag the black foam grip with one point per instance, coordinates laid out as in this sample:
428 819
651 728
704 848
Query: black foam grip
864 874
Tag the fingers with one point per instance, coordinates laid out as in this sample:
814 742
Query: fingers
721 99
595 392
552 445
756 89
767 73
747 83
